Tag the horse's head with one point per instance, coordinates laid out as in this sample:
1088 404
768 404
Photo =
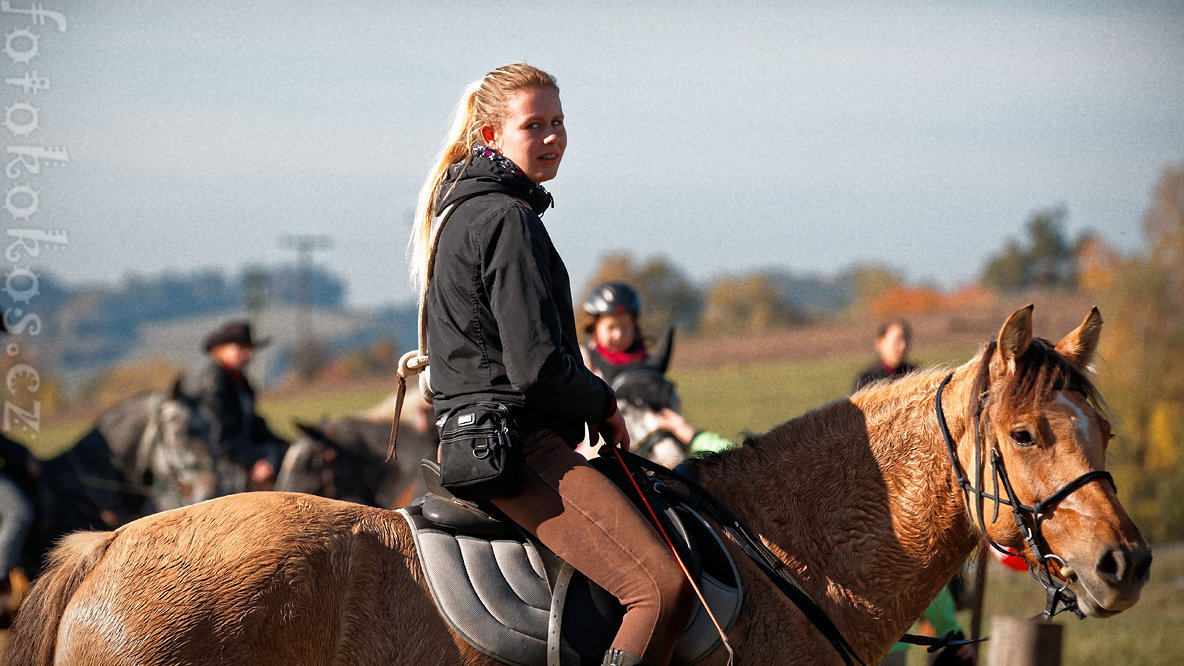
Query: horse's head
182 463
1036 440
641 393
311 463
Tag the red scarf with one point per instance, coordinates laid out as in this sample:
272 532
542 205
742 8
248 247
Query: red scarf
637 354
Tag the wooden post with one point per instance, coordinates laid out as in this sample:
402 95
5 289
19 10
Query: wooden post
980 590
1016 642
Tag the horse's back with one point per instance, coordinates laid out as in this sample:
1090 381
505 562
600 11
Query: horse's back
259 578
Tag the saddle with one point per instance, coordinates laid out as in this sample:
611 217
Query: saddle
517 602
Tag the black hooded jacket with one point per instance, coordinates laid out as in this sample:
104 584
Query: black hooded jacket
500 318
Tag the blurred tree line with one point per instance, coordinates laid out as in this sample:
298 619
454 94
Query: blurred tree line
771 299
89 325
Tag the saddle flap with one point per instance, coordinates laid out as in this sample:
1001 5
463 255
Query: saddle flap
494 593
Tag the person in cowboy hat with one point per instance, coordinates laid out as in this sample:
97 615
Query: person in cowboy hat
236 431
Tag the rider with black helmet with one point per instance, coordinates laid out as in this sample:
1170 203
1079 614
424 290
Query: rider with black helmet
615 339
616 344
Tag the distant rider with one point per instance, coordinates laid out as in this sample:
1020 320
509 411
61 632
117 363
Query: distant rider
237 432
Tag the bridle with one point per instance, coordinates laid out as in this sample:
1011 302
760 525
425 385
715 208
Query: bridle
1027 518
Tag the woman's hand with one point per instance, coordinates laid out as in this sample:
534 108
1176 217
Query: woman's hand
613 430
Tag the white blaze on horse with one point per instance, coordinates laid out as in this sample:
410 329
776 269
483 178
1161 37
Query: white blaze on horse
863 501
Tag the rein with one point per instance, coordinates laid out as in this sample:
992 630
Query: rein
674 551
1059 596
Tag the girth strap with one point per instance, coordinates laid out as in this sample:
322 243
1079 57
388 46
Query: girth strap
555 622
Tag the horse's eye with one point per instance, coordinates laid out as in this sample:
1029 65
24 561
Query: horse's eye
1022 437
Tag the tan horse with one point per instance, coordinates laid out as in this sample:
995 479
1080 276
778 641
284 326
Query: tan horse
860 499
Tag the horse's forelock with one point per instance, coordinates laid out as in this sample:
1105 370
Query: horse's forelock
1041 371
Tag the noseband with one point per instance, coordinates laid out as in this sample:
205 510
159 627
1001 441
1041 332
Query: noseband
1056 585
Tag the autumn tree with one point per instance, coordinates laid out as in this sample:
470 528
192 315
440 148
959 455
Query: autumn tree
1140 351
1097 262
1046 260
871 281
748 304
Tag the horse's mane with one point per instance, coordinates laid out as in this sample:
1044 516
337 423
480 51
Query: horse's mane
129 403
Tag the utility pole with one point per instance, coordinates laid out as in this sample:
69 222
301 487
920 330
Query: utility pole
305 360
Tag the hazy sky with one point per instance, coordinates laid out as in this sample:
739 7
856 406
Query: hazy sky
727 137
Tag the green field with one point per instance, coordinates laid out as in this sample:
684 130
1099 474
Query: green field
733 400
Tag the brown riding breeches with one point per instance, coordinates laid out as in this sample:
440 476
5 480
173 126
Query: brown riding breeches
585 519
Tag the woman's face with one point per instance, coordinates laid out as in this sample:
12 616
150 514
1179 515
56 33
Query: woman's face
532 136
615 332
893 346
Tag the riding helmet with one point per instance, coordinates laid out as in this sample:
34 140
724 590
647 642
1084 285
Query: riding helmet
613 298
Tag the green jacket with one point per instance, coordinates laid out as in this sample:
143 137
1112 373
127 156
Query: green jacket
940 614
705 441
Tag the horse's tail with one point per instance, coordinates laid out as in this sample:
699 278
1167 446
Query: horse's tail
32 641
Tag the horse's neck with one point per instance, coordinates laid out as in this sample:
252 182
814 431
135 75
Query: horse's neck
860 499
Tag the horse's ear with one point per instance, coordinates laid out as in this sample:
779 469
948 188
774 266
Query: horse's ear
661 358
1015 337
1080 345
177 392
309 430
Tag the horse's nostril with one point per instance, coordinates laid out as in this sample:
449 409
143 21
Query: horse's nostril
1119 565
1110 564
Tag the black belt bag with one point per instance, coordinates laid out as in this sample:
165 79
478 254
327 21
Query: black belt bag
480 452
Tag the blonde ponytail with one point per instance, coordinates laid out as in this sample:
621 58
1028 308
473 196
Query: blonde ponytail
483 103
458 146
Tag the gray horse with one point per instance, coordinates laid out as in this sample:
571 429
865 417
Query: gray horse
642 391
146 454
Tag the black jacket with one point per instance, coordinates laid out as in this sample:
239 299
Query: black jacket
236 431
14 462
500 318
876 372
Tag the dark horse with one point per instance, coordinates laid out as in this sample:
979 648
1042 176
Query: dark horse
870 503
345 458
146 454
